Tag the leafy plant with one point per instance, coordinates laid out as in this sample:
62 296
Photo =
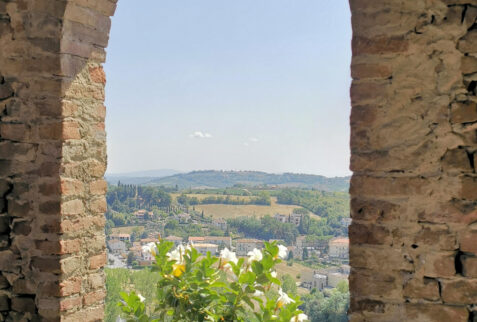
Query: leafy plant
192 287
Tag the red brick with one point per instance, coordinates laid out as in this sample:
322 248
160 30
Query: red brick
70 246
70 303
71 286
97 261
70 131
71 187
97 74
13 131
93 297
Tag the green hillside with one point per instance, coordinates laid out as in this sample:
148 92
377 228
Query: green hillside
223 179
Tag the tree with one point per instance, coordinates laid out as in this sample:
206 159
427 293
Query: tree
130 258
289 284
305 253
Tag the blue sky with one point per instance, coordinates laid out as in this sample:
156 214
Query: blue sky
233 85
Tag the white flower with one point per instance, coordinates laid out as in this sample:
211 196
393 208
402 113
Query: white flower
141 298
283 299
149 248
178 254
274 274
299 318
228 256
282 251
258 293
255 255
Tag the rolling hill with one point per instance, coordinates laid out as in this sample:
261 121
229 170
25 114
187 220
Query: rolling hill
223 179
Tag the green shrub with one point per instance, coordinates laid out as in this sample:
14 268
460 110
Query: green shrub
192 287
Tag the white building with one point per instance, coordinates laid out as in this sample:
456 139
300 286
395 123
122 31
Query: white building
216 240
220 224
319 281
243 246
339 248
204 248
176 240
121 237
116 246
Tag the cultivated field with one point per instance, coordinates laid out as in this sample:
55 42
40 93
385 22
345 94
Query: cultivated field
234 211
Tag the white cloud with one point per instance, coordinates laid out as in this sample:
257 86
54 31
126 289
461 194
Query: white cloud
200 135
246 144
253 139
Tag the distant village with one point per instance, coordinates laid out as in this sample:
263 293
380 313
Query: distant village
332 254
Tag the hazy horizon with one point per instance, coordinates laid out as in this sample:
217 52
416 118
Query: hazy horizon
259 86
225 170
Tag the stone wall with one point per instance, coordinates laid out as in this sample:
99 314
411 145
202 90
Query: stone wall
52 159
414 141
414 154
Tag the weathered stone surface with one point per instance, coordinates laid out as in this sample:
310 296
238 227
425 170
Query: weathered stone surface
413 145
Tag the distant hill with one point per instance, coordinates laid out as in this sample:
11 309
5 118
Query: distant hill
223 179
139 177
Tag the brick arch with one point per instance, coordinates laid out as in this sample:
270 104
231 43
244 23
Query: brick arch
413 143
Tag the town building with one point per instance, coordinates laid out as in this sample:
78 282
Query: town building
203 248
121 237
145 241
243 246
116 246
220 224
143 214
292 218
295 219
176 240
339 248
216 240
319 282
281 218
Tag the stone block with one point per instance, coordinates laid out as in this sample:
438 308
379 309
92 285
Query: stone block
469 266
379 45
422 288
435 313
465 112
23 304
438 264
459 291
